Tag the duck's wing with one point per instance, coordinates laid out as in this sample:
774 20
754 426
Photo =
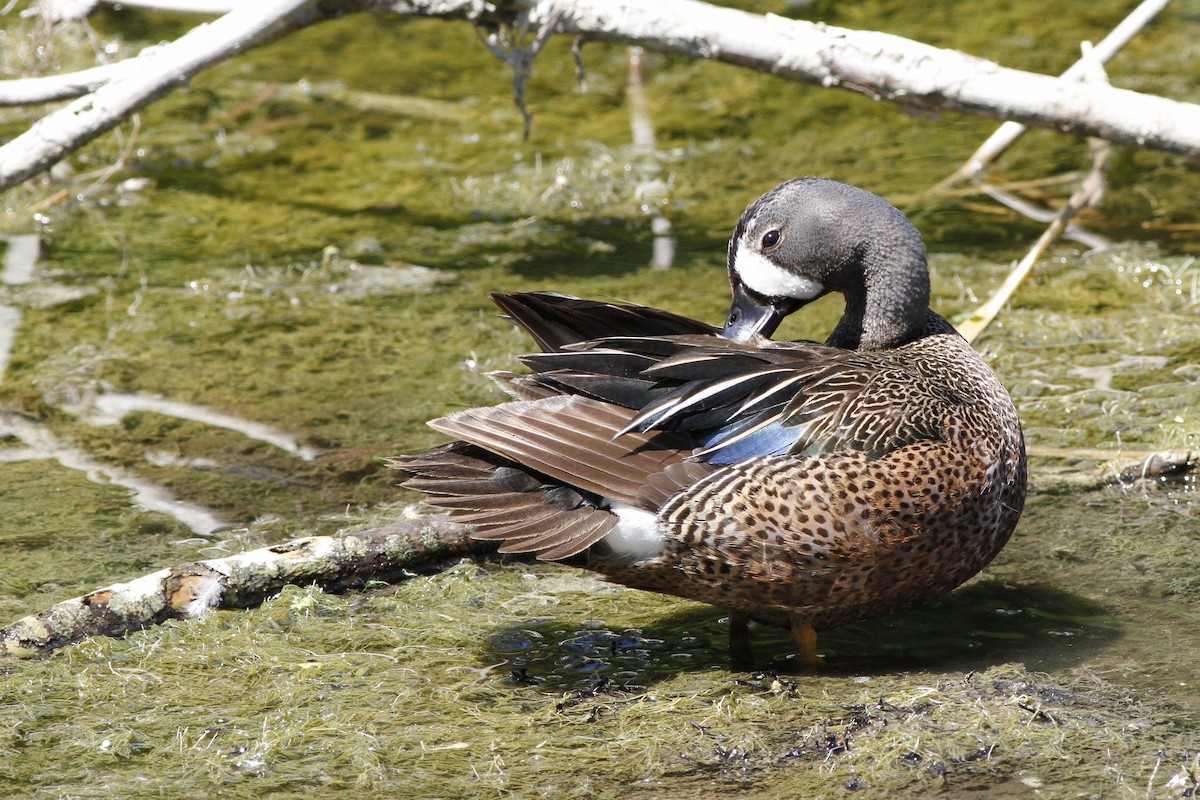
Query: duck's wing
539 475
506 502
557 320
742 401
636 371
575 440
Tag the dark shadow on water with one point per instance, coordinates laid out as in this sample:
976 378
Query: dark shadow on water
987 623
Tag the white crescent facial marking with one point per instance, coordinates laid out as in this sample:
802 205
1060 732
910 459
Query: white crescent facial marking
766 278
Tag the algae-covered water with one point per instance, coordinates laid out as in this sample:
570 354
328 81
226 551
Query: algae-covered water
304 238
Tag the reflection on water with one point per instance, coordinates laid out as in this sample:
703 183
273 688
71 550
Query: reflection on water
984 624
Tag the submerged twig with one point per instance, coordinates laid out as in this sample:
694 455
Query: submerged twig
109 408
1039 214
1127 466
43 443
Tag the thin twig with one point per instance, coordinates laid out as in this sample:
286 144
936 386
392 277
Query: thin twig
1088 194
107 172
1039 214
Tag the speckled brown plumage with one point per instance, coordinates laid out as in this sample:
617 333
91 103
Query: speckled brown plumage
800 484
844 535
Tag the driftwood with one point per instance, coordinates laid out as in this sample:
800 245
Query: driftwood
883 66
350 560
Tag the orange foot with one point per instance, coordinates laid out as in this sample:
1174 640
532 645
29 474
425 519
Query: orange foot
804 637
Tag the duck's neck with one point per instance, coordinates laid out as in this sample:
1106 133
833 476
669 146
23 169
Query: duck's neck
888 307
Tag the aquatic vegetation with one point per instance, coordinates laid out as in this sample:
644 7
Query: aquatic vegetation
212 286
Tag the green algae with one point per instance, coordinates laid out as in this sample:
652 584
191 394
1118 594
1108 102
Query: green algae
397 693
230 281
62 536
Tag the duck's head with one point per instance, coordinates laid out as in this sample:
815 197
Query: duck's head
810 236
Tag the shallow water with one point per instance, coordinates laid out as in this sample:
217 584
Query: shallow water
337 294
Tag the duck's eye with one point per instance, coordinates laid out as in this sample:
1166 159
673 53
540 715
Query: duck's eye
770 239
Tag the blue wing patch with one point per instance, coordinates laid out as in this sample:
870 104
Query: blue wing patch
750 438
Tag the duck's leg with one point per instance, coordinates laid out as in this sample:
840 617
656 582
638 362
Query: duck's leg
740 655
804 638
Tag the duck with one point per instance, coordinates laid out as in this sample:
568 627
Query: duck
798 484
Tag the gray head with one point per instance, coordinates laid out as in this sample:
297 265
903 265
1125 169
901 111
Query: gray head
810 236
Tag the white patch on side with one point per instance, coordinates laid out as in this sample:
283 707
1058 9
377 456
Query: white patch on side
637 536
768 279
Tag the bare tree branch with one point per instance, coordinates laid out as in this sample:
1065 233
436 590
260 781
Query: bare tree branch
151 75
388 553
1009 132
882 66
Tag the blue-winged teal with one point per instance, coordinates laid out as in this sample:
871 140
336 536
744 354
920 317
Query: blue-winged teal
799 484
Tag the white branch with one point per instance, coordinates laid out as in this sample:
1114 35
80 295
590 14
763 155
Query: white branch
148 77
181 6
877 64
48 88
77 9
880 65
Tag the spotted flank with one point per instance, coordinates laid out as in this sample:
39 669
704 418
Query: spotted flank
803 485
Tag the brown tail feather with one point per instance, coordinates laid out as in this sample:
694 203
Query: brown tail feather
505 503
579 539
574 538
525 516
530 473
